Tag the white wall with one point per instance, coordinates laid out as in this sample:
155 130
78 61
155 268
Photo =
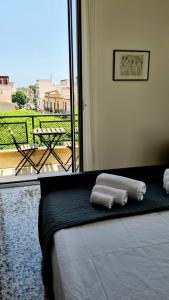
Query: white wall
44 85
130 120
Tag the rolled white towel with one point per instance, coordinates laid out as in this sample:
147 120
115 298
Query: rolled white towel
136 189
120 196
101 199
166 173
167 187
165 180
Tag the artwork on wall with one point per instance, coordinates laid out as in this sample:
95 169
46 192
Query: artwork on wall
131 65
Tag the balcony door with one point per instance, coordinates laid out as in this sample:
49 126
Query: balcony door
41 76
75 75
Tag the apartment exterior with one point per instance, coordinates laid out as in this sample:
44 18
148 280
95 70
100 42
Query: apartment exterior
6 91
43 86
54 98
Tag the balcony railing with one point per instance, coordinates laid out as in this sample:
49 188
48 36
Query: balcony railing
22 127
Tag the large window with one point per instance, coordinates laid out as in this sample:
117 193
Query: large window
39 72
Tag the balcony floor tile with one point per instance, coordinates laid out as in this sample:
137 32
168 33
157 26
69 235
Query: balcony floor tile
27 173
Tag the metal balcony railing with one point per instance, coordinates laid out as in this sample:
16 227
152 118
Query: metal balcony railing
22 127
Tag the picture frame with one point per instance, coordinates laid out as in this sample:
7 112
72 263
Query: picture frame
131 65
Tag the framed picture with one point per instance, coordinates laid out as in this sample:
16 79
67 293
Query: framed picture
131 65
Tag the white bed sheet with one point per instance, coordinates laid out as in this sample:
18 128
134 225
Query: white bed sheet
120 259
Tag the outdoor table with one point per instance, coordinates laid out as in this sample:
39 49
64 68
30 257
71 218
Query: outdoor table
50 138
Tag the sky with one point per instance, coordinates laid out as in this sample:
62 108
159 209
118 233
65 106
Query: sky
34 41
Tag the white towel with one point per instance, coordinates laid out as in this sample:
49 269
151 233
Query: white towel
166 173
167 187
136 189
101 199
120 196
165 180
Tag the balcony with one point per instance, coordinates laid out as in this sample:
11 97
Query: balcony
22 127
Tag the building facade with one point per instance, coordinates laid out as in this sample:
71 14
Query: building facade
54 98
6 91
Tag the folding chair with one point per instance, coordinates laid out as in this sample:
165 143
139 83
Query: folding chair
26 150
68 144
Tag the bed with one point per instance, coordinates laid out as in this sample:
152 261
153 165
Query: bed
93 253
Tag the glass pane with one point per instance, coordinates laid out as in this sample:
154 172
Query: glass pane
34 75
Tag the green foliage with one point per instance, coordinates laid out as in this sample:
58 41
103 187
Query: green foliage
35 101
20 98
17 116
33 88
16 113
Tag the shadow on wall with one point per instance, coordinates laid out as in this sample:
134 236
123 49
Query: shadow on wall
155 147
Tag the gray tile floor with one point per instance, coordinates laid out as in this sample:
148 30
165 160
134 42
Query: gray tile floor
20 253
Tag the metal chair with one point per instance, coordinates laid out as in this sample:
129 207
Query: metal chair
68 144
26 150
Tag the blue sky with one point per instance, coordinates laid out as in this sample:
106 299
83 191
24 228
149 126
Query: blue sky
34 41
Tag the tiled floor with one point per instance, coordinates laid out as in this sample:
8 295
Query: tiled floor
28 173
20 253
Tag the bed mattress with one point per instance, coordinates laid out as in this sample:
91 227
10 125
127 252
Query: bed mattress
119 259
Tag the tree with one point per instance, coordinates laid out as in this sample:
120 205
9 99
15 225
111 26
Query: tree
20 98
33 88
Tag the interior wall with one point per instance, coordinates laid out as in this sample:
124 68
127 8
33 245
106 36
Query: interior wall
130 120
